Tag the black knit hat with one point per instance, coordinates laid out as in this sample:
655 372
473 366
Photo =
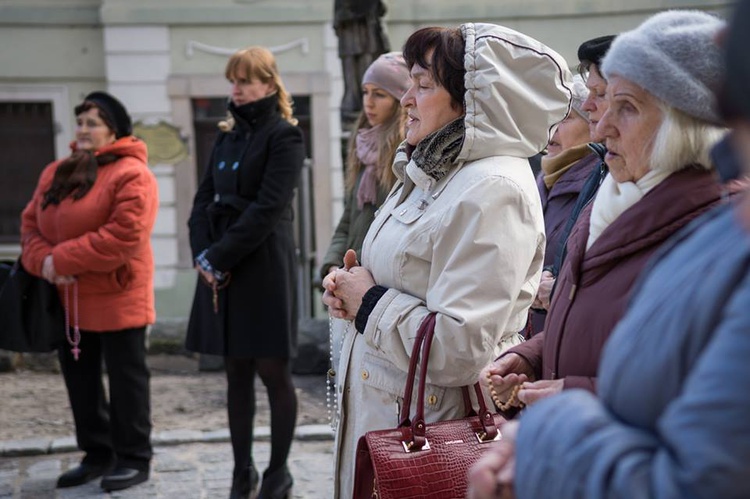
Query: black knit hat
114 110
593 51
734 98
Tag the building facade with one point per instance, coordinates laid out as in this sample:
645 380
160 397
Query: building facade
165 61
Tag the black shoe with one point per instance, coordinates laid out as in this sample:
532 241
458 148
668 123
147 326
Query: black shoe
276 485
83 473
122 478
245 484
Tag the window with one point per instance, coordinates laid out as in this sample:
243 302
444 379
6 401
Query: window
27 139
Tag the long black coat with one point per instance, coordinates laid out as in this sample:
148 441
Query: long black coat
242 214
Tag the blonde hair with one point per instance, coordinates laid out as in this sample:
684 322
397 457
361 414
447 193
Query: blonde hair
258 63
682 141
391 135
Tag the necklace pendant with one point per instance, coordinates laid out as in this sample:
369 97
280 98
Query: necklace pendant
75 351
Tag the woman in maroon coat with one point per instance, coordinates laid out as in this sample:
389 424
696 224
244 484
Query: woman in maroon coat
660 179
565 168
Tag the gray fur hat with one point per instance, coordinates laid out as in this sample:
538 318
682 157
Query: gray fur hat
673 56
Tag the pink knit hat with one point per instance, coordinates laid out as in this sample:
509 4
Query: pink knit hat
390 73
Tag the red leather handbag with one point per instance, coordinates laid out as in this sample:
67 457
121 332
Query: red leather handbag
418 460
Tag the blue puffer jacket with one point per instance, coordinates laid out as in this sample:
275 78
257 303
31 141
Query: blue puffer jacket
673 415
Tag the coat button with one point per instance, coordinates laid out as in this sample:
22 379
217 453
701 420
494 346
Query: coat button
365 374
432 400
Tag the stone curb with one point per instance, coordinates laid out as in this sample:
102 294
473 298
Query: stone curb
40 446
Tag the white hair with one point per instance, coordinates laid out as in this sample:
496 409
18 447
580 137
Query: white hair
683 141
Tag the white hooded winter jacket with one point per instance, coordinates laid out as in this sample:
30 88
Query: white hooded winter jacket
469 247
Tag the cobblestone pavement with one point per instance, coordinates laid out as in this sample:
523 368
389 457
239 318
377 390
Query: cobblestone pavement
194 470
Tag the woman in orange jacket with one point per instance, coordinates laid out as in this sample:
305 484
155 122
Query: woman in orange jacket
87 229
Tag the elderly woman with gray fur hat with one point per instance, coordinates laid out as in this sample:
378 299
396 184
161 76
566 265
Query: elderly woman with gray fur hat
658 130
669 417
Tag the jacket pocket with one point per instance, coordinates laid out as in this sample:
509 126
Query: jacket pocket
380 373
407 213
107 282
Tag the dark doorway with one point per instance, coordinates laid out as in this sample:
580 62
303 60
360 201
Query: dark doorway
208 112
27 139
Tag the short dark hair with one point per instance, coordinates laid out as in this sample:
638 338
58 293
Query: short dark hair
447 66
592 52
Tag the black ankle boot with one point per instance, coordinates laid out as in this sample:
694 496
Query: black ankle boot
276 485
83 473
245 484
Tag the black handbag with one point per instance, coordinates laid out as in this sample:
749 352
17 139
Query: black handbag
31 315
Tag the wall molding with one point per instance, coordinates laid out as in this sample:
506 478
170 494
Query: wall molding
192 45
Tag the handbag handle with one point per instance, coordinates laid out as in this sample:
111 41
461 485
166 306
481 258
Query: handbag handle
415 439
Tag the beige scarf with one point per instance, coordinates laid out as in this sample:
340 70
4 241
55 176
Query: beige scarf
614 198
555 167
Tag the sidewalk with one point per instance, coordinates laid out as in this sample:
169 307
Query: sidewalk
186 464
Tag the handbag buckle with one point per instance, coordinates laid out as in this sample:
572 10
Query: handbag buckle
483 437
409 446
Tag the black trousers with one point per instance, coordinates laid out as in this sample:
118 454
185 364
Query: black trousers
118 429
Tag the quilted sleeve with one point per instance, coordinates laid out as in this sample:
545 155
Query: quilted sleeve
136 201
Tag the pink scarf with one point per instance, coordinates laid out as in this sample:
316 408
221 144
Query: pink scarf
367 152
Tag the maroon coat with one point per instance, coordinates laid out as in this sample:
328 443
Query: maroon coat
557 204
592 289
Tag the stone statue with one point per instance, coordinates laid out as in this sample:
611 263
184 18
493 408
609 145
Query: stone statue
361 40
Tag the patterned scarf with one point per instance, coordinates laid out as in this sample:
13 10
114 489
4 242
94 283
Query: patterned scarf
367 152
436 153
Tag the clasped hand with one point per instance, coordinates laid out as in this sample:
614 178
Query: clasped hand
345 287
512 369
49 273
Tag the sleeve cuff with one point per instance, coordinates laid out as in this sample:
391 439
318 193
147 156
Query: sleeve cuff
203 263
369 300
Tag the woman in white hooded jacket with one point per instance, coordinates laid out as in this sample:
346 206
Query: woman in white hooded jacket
461 234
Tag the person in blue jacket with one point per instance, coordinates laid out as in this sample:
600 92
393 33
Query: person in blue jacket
670 419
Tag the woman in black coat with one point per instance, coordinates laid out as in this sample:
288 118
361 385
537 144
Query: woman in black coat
242 242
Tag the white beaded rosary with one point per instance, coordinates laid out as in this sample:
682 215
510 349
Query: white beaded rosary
332 395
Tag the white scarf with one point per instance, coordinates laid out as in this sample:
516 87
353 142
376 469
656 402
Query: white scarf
614 198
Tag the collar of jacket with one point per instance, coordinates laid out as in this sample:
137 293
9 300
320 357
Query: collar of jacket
253 114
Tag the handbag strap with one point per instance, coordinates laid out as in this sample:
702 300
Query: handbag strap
428 324
417 439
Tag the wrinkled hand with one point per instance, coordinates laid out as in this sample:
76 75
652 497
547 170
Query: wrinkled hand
65 279
350 288
507 372
492 476
208 276
335 304
49 273
531 392
545 290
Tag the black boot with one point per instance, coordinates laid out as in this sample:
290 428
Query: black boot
245 484
122 478
83 473
276 485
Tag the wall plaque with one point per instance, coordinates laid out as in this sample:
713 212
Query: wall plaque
165 144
